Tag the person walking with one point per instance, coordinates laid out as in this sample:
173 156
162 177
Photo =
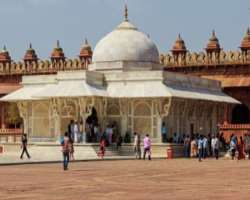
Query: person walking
109 133
247 144
164 132
65 150
137 145
193 147
205 147
209 141
147 147
200 147
215 146
186 145
76 132
233 146
71 129
24 146
241 154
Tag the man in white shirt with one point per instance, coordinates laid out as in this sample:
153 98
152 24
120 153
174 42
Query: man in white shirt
75 131
215 146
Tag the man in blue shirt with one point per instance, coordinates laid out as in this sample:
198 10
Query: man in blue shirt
164 132
200 147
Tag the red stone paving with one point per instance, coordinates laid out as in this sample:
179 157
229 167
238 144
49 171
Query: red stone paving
138 180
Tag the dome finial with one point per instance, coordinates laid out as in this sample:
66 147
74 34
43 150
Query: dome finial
248 31
4 48
30 46
126 13
179 36
86 41
213 33
57 44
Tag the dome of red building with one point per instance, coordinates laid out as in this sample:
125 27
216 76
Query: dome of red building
4 55
245 43
30 54
213 43
179 45
57 52
86 50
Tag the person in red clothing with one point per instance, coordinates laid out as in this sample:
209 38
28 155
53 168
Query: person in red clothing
65 150
241 154
102 147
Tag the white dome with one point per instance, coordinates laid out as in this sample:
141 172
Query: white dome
125 43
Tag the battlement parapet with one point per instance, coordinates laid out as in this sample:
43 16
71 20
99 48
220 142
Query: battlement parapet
41 67
202 58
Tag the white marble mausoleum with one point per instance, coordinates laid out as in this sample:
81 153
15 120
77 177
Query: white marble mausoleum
125 83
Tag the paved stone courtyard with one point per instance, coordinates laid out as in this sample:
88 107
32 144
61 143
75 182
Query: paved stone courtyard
128 179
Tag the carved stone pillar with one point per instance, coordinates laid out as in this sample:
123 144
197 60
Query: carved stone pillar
82 111
163 110
123 104
55 106
23 110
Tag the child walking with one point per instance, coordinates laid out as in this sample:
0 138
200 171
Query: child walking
101 152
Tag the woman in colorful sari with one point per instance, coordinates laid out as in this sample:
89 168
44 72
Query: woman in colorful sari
241 149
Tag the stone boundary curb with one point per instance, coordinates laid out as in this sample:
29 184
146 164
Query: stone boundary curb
83 160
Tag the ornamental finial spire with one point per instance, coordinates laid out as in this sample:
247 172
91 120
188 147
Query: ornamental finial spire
86 41
57 44
126 13
213 33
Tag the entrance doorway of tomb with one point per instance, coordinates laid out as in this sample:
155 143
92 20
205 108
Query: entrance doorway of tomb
114 119
240 114
91 123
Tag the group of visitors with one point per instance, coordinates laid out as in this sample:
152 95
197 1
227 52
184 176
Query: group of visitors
201 146
146 146
239 147
75 131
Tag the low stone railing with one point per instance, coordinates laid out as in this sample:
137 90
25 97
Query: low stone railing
235 126
236 129
10 135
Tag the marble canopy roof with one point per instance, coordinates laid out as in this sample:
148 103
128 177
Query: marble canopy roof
133 84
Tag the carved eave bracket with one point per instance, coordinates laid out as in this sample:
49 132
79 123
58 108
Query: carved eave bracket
163 106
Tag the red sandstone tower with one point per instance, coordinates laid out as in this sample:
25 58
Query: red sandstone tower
57 57
30 59
213 49
179 51
86 54
5 59
245 46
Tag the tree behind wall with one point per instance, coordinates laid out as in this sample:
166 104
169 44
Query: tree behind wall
12 115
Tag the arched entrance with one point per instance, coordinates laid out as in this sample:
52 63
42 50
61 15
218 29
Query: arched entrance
143 118
91 122
68 114
240 114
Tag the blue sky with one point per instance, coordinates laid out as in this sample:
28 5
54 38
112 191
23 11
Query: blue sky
42 22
